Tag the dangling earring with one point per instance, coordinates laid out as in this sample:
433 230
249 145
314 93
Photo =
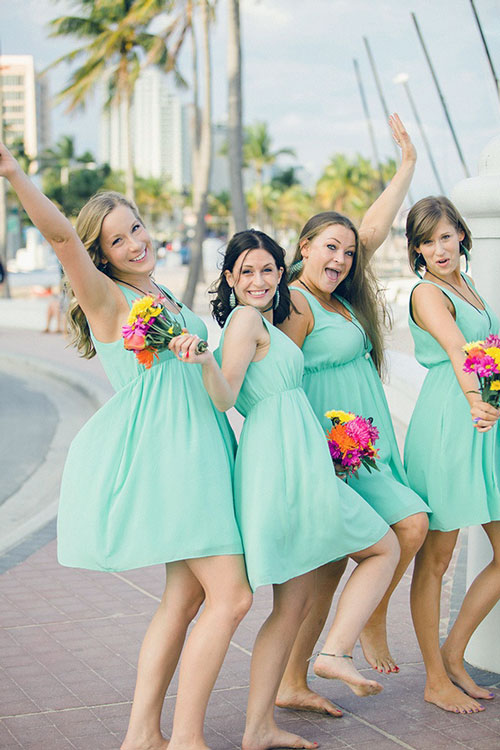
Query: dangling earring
419 260
276 298
296 268
466 254
232 298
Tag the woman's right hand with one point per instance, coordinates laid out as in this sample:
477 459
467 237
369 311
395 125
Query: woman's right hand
8 165
484 416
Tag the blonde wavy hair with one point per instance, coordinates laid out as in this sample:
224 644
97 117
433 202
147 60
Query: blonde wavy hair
359 288
88 227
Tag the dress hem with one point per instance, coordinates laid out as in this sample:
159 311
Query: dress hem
146 564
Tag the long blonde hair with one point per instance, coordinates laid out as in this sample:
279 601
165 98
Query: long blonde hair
359 288
88 227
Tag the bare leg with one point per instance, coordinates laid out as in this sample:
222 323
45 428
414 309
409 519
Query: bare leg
411 532
362 592
292 601
481 597
294 692
159 655
431 563
227 600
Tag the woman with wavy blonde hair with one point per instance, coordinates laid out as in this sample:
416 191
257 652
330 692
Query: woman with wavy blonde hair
151 494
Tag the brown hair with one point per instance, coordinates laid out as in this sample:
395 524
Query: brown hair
360 286
88 227
422 220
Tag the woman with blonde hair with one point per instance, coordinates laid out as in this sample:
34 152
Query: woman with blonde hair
336 320
452 449
139 486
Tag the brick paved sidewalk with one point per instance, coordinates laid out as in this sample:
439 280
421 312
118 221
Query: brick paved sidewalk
69 642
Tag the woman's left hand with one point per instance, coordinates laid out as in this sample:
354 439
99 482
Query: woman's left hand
402 138
185 349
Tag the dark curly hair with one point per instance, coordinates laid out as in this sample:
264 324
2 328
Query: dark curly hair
243 242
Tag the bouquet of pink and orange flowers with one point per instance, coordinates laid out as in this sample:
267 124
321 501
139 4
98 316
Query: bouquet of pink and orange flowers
351 443
483 359
150 329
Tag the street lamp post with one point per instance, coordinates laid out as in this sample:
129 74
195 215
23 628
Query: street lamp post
403 79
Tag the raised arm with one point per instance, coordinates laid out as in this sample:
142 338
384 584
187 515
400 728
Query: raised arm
240 344
433 312
92 288
378 219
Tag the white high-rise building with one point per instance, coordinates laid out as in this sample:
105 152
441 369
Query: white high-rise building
160 132
26 113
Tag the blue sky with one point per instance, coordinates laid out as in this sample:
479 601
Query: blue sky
299 76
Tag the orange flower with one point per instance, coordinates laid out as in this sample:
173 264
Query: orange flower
135 342
146 357
339 435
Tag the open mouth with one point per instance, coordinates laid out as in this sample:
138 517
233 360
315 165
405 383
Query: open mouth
332 274
443 262
258 294
139 257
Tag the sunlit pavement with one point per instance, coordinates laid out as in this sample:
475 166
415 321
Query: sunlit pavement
69 639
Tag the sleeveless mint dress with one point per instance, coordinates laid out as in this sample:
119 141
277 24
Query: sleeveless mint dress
449 463
339 374
148 479
293 512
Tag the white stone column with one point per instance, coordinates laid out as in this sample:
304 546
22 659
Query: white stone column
478 200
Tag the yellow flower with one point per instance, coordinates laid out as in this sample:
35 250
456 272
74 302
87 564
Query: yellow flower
140 309
472 345
495 385
343 416
494 352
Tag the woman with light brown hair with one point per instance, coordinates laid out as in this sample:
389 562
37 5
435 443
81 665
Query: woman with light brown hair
337 324
139 486
452 449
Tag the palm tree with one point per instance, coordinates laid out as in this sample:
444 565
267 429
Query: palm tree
347 185
116 48
154 199
258 154
235 122
64 157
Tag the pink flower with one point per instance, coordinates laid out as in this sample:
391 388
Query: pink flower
482 366
492 340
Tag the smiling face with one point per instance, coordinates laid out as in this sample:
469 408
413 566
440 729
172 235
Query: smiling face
328 257
441 250
254 278
126 244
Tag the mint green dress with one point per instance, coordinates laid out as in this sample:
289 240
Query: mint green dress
293 512
339 374
148 479
455 468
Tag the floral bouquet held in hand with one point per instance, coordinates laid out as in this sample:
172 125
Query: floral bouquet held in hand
150 330
483 359
351 442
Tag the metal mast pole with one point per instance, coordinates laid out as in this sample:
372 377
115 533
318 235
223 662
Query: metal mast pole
443 102
490 61
369 122
382 100
403 78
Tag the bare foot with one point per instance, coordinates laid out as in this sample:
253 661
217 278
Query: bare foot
340 668
304 699
136 743
373 641
457 674
267 738
450 698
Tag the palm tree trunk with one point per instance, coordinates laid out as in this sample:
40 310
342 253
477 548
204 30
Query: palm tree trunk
235 123
129 172
201 178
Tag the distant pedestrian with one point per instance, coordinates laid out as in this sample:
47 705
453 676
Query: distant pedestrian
149 478
452 449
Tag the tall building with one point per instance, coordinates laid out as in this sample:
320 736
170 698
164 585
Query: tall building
160 132
25 100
